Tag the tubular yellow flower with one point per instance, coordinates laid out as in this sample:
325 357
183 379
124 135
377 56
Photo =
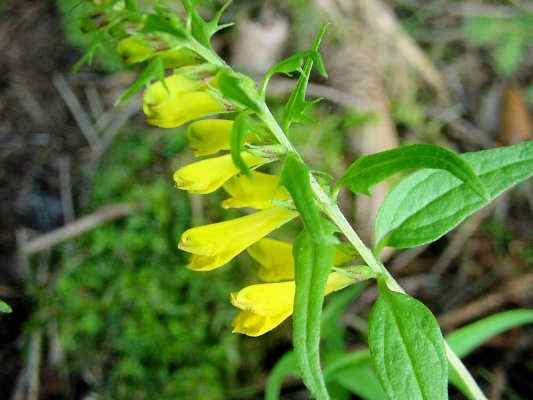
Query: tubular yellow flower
256 191
206 176
266 305
209 136
214 245
275 259
185 100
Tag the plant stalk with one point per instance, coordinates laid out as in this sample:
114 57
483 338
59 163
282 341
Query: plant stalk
337 217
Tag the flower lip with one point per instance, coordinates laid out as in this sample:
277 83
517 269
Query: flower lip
206 176
266 305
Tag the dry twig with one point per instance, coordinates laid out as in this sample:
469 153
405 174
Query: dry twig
515 288
78 112
82 225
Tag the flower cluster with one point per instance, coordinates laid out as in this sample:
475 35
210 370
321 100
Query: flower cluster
178 99
192 94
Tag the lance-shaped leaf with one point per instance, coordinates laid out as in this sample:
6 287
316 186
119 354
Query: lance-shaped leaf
154 70
407 348
349 369
201 29
464 340
312 263
428 204
295 177
297 107
294 63
242 127
239 89
369 170
313 252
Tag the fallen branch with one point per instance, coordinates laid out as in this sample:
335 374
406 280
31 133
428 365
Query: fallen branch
76 228
78 112
516 288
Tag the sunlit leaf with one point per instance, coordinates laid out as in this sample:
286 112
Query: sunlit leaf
428 204
369 170
407 348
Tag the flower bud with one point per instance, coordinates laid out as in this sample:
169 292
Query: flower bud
135 49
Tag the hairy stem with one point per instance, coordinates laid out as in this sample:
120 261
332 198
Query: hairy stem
337 217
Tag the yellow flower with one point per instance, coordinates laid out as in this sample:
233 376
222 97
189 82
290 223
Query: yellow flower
185 100
256 191
276 262
266 305
216 244
209 136
206 176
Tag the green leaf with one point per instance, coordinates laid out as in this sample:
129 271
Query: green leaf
96 45
313 252
312 263
407 348
286 366
165 22
464 340
347 369
372 169
4 307
295 177
242 127
332 328
154 70
239 89
296 108
291 64
428 204
201 29
354 372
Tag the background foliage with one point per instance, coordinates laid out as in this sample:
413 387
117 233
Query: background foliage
134 323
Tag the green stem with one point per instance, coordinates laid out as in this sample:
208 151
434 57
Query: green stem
334 213
337 217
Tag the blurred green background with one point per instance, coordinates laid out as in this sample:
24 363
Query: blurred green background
114 314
